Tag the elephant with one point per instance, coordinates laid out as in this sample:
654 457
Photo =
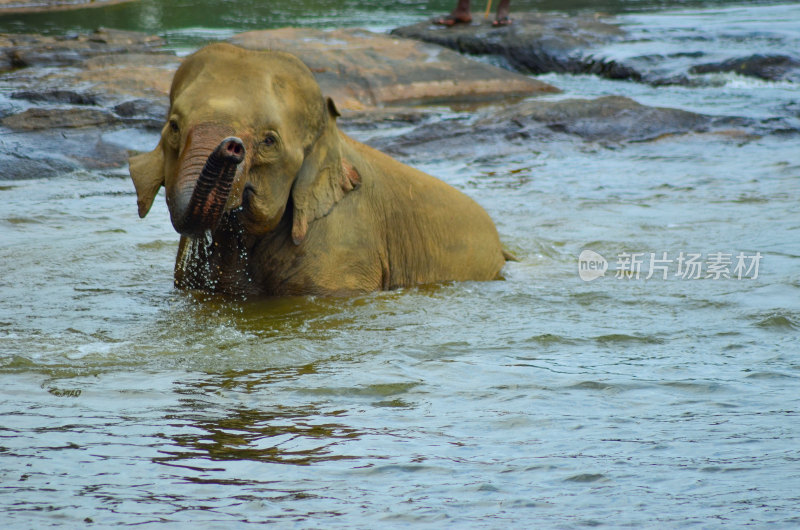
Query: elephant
271 198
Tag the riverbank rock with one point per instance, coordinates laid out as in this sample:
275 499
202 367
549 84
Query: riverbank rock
17 7
74 100
362 69
82 101
26 50
539 43
37 119
535 43
70 96
610 120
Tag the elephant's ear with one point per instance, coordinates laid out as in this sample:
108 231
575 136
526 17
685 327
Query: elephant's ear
147 173
324 178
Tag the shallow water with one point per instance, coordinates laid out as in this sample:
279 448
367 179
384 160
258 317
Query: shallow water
619 401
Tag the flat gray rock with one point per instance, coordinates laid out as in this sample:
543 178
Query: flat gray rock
610 120
27 50
535 42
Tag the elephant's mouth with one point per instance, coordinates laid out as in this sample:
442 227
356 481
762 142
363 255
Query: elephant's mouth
211 189
247 194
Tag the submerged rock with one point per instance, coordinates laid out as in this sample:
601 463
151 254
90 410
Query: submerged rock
362 69
57 95
47 119
47 153
37 164
767 67
606 120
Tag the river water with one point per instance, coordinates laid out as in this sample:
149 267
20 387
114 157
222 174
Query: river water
541 400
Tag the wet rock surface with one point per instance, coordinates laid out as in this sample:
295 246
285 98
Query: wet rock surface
767 67
66 94
36 119
609 121
25 50
56 95
541 43
74 90
535 42
82 101
363 69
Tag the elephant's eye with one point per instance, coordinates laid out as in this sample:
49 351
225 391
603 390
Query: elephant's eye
270 140
173 126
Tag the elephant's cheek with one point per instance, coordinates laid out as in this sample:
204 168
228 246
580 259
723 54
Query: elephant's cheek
257 216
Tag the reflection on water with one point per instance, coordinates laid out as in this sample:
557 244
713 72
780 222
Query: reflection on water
283 436
623 402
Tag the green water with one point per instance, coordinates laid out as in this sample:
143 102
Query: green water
190 22
542 400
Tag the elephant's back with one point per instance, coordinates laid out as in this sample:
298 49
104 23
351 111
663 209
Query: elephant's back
434 231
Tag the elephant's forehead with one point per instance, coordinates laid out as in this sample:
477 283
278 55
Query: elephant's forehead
246 77
236 100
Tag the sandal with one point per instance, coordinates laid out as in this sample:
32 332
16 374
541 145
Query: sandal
502 21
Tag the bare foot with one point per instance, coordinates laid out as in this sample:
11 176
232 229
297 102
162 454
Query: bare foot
501 21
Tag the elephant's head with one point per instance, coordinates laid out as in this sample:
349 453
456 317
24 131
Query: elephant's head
247 131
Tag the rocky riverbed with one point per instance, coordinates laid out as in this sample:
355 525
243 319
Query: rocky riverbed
75 101
541 43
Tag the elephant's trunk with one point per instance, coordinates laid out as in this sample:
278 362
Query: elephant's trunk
199 201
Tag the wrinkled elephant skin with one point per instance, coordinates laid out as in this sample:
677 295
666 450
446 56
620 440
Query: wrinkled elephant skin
271 198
